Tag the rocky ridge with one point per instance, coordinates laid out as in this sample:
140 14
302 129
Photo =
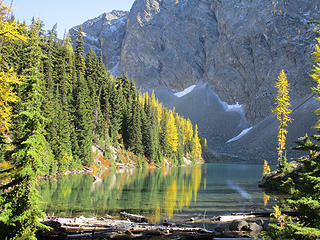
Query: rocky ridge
105 34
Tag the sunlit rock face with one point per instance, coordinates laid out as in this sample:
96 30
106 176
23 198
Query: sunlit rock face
105 34
236 46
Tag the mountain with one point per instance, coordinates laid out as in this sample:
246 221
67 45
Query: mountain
105 34
234 48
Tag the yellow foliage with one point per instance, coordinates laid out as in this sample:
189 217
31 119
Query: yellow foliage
8 78
282 111
266 168
266 199
146 98
277 214
196 146
7 96
172 132
196 180
189 131
9 29
316 75
6 165
171 199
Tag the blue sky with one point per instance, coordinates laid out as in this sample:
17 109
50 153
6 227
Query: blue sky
67 13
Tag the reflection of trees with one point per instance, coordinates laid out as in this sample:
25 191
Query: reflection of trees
154 193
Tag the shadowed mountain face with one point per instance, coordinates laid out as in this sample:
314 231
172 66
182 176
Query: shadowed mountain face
237 47
230 137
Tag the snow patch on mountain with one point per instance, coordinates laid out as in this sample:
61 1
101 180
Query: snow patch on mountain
244 132
185 91
230 107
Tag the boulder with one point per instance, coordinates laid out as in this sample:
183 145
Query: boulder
254 227
239 225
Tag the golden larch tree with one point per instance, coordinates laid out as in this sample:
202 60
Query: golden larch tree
189 130
172 132
282 112
316 75
9 30
196 146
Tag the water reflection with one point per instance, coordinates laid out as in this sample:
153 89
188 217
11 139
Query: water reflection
157 193
171 193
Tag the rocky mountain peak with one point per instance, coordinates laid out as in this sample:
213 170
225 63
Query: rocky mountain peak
237 47
105 34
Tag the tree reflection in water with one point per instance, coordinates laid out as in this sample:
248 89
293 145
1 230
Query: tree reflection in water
155 193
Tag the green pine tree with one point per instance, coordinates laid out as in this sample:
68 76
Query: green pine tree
31 155
134 130
83 115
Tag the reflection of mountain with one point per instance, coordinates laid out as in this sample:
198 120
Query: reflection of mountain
156 193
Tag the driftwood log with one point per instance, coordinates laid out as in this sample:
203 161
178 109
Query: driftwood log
133 217
247 215
77 228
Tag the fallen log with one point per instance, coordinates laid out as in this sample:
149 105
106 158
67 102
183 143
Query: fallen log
230 218
246 215
264 214
85 227
134 217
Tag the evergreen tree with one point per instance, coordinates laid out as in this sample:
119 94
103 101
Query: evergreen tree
148 139
134 130
84 124
69 84
79 53
83 115
91 75
164 144
31 155
115 103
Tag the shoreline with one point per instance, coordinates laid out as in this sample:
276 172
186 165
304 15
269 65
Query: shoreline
132 226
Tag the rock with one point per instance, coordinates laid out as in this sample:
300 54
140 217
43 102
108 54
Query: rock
239 226
271 181
105 33
260 222
254 227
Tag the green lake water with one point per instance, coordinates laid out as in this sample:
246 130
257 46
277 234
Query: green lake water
169 193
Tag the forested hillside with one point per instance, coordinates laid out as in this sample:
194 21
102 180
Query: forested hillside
57 105
80 104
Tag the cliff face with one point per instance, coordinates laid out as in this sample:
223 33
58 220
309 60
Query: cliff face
105 33
238 46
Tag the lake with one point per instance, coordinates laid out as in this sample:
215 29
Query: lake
167 193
